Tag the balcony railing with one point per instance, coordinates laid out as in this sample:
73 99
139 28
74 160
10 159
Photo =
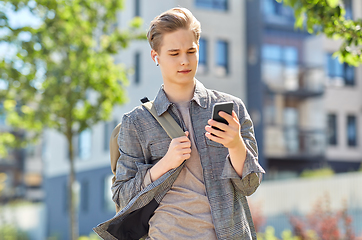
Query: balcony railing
294 80
289 142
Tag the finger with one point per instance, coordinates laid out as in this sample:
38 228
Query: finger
185 144
229 118
186 156
213 123
235 116
187 133
183 139
218 133
214 138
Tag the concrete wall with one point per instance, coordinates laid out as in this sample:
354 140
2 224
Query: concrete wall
298 196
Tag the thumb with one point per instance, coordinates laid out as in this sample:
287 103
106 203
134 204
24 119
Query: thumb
187 133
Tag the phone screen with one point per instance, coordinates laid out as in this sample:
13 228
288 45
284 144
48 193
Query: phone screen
225 107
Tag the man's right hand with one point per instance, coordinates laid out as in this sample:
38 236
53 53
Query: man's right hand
178 151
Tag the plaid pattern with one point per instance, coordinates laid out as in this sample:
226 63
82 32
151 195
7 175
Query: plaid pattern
143 142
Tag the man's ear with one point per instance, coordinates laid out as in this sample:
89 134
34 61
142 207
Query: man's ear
153 55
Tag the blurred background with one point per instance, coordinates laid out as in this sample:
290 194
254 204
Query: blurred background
306 106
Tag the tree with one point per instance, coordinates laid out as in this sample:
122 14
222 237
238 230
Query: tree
328 17
60 74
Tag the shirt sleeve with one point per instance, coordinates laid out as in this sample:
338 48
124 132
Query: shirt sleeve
252 171
131 166
147 180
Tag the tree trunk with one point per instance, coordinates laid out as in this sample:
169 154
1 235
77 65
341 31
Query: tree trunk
71 191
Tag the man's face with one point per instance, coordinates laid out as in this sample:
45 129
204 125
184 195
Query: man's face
178 57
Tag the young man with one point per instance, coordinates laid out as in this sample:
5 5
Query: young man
194 186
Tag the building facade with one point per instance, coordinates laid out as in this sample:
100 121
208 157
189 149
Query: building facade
306 107
222 67
311 102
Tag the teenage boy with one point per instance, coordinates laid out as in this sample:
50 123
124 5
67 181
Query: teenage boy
194 186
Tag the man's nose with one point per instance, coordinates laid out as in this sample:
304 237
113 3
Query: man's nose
184 60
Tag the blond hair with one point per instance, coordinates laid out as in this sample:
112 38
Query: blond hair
170 21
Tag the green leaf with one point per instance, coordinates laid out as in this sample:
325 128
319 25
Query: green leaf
333 3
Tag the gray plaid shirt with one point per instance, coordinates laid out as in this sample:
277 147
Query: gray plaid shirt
142 142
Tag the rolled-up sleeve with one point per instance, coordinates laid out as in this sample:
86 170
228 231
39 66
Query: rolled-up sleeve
252 171
131 165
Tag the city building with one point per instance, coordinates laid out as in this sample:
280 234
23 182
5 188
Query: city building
222 67
305 105
311 102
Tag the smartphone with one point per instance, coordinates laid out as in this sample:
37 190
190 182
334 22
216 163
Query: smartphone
223 106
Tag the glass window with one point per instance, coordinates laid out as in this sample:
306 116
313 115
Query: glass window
85 196
137 8
351 131
290 55
106 135
212 4
287 55
2 114
348 75
202 56
107 131
268 7
137 68
335 69
348 8
85 144
272 7
109 205
222 52
332 129
271 52
65 198
76 195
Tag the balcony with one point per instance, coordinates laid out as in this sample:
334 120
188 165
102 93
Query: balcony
293 80
283 142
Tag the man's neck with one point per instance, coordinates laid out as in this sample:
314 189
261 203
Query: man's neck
179 93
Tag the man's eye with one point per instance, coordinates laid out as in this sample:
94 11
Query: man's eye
174 54
192 52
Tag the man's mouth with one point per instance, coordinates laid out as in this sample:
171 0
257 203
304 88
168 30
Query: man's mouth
185 71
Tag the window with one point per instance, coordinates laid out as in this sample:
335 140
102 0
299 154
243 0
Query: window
108 128
222 55
351 131
137 6
342 71
287 55
65 198
107 196
332 129
202 56
2 115
76 195
213 4
348 8
280 69
107 135
84 197
137 68
85 144
272 7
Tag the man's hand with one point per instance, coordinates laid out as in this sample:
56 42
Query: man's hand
178 151
228 135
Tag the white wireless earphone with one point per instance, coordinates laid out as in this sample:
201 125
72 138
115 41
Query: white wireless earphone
156 60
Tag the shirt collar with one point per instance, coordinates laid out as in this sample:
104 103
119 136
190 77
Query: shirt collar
162 103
